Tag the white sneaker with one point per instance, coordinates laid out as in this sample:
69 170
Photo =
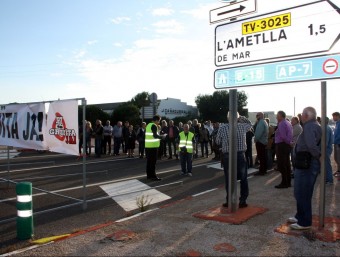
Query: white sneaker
298 227
292 220
190 174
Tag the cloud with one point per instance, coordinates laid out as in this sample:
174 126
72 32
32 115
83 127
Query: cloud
117 44
92 42
202 12
169 27
119 20
162 12
79 53
170 67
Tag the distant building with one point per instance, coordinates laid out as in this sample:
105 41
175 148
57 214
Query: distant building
167 108
108 107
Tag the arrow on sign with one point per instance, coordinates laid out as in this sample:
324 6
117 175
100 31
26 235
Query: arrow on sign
241 8
230 11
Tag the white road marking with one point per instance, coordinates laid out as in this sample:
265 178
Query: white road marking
126 193
205 192
97 184
12 154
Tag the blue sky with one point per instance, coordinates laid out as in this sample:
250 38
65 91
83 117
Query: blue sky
109 50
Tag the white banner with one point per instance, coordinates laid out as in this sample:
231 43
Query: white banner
62 127
23 125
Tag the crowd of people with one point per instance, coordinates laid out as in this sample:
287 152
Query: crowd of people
294 144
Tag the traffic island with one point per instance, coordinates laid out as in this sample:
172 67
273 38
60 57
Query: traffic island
222 214
330 233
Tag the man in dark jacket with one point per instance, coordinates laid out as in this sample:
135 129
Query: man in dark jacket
173 133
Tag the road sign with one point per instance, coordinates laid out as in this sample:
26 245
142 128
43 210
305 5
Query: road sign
308 29
306 69
330 66
233 10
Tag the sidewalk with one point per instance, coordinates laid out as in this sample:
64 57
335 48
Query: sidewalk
172 230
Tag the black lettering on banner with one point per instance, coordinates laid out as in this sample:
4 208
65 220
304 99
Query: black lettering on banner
25 133
8 118
40 123
30 131
2 124
14 128
33 132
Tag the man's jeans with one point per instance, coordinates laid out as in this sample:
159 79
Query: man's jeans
242 174
304 181
329 171
186 162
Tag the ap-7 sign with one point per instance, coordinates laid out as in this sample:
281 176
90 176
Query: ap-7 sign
308 29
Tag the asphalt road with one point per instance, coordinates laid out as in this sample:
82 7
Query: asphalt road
58 181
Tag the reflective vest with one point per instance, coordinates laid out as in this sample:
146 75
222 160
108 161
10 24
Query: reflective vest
186 140
150 141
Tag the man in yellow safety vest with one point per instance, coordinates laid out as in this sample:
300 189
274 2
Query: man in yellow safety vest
152 143
186 146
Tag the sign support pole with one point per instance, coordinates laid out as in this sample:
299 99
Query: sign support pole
323 155
8 167
232 180
84 155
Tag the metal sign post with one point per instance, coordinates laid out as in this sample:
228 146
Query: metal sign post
232 188
322 198
84 154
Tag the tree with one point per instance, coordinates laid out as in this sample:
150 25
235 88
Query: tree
216 106
126 112
141 99
92 114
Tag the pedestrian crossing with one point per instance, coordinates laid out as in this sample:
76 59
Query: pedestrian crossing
4 154
127 193
218 167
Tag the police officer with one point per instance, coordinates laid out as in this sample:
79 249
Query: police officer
152 143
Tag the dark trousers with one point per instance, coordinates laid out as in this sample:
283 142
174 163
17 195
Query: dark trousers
107 141
141 148
151 159
186 162
98 146
117 143
242 174
262 156
283 162
204 145
80 144
171 142
249 156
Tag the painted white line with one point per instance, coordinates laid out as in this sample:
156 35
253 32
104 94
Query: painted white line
24 249
66 165
205 192
100 183
215 166
136 215
127 193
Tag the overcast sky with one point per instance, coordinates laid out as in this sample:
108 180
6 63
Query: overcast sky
109 51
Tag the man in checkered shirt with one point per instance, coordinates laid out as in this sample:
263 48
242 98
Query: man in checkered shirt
243 125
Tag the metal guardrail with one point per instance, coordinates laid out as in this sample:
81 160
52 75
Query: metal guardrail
80 201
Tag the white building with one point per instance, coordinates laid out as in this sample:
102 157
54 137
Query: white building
169 109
